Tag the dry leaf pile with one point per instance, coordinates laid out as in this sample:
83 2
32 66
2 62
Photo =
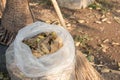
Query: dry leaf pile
44 43
41 44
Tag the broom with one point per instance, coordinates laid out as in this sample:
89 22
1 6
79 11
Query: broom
84 70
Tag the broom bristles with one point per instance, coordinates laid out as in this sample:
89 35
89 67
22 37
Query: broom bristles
84 70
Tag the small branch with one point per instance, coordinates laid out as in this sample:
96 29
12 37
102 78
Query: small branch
55 4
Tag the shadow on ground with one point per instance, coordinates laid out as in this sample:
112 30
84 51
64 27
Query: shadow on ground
2 58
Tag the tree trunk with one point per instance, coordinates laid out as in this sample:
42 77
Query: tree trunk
16 15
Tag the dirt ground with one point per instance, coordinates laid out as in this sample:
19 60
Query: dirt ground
96 32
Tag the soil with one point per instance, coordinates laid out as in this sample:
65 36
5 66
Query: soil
101 27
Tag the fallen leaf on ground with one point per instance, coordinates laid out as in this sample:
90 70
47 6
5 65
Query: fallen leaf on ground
98 22
77 43
117 19
104 47
105 70
103 16
108 22
68 25
118 11
115 43
104 19
119 64
81 21
106 40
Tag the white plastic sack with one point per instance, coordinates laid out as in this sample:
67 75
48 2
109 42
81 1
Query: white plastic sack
75 4
58 64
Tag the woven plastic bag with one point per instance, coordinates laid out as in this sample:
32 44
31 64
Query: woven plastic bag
22 65
75 4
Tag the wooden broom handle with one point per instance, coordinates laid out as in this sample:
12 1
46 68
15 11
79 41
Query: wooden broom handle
57 9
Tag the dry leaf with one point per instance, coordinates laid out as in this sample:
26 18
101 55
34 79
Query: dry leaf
98 22
104 47
44 43
77 44
106 40
117 19
81 21
119 64
118 11
104 19
108 22
68 25
115 43
105 70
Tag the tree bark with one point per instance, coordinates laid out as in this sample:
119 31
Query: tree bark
16 15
